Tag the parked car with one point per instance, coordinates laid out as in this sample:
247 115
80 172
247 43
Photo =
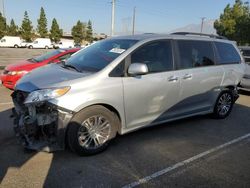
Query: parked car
9 41
41 43
13 72
64 44
25 44
122 84
245 82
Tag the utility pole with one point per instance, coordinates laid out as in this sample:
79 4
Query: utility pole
133 29
3 9
202 23
113 18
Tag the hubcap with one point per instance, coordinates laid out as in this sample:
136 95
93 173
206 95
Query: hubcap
94 132
224 104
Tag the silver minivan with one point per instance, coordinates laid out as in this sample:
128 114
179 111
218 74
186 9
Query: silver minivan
122 84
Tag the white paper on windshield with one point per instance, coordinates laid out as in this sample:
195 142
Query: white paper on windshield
117 50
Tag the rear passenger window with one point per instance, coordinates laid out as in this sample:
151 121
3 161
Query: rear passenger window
227 53
194 54
156 55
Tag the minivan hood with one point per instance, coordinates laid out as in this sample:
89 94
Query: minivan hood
46 77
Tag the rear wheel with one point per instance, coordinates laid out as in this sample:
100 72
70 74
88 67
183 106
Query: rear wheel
30 46
91 130
46 47
15 46
224 105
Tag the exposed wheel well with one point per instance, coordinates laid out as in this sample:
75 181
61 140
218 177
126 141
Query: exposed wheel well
111 108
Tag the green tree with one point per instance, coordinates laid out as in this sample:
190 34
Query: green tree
42 24
234 22
3 25
13 29
79 32
26 28
55 31
89 32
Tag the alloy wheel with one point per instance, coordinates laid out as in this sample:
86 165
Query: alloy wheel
94 132
224 104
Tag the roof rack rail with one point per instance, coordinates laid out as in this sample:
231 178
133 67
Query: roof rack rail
200 34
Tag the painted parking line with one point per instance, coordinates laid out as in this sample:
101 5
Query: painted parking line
185 162
6 103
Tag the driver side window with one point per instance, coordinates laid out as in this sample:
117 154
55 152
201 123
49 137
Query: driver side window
156 55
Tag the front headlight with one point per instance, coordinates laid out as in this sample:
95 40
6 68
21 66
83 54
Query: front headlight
46 94
17 72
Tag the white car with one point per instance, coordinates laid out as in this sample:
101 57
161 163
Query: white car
41 43
25 44
10 41
64 44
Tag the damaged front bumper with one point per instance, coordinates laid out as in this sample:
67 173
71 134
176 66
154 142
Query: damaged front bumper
40 126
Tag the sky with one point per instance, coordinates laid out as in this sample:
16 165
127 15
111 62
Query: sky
157 16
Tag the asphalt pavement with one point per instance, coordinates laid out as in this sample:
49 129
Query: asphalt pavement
194 152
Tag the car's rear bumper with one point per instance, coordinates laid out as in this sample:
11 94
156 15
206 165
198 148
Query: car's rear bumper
245 82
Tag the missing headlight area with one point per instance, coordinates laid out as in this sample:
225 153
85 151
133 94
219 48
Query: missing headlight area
36 124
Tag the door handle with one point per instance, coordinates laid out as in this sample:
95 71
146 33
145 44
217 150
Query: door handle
187 76
172 78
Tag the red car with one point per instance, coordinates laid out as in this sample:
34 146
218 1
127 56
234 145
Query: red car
13 72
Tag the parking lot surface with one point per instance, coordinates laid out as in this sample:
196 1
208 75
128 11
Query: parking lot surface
13 55
134 157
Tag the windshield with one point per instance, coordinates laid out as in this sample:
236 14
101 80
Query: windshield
46 56
97 56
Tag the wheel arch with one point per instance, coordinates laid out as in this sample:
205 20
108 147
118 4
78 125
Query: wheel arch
108 106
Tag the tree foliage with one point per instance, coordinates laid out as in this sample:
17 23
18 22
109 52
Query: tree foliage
55 31
89 32
13 29
79 32
234 22
42 24
3 25
26 28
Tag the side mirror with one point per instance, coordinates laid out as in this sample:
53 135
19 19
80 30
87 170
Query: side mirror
137 69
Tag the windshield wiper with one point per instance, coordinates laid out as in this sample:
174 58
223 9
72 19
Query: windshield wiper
70 66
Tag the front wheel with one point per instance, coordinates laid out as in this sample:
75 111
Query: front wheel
91 130
223 105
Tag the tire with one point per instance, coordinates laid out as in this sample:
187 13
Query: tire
46 47
223 105
84 135
30 47
15 46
